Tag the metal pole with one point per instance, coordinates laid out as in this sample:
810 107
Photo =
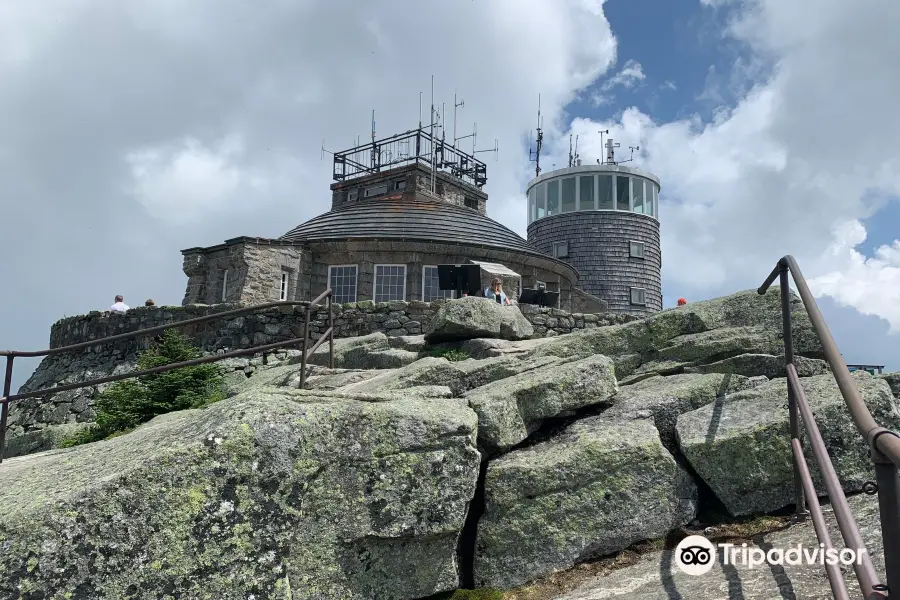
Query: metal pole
305 338
889 505
4 406
787 330
330 333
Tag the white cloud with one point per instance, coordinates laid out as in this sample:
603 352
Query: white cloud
870 285
630 75
181 183
808 147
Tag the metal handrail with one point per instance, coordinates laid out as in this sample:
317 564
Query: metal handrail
883 443
10 355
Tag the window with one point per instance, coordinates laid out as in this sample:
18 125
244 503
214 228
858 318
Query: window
586 193
390 283
623 189
342 281
638 296
540 284
285 279
650 201
430 285
561 249
637 194
568 194
552 197
376 190
224 285
605 196
636 249
400 185
471 203
542 200
532 206
353 194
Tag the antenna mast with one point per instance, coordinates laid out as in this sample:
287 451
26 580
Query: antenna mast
431 134
456 105
570 149
540 143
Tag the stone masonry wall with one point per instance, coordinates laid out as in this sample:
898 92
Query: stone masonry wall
218 336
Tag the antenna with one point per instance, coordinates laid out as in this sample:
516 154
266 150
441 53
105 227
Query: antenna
324 151
540 143
610 151
602 132
632 148
431 134
456 105
495 149
420 110
577 158
570 149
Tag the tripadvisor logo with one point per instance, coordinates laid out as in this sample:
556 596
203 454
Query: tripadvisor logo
696 555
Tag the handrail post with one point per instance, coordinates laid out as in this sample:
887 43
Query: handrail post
787 334
889 508
330 331
306 316
4 407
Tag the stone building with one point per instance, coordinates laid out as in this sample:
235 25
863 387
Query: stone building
392 221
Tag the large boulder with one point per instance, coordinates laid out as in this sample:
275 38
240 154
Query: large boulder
474 317
270 494
694 334
354 353
510 409
763 364
664 398
740 446
592 490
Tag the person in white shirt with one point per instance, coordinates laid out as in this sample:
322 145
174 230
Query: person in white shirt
119 305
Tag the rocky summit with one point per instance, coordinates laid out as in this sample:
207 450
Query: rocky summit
474 455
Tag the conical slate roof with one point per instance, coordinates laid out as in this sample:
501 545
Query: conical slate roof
420 219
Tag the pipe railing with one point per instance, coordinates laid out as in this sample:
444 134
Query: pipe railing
884 446
328 335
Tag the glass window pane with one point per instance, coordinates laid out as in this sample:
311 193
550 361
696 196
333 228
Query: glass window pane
390 283
605 183
553 197
541 201
342 281
622 192
637 192
568 194
586 193
430 286
532 195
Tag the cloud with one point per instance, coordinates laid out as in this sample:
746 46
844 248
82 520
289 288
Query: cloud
868 284
808 148
137 129
630 75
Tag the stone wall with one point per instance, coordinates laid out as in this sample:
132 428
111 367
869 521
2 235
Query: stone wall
218 336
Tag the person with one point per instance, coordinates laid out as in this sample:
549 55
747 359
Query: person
682 302
495 292
150 303
119 305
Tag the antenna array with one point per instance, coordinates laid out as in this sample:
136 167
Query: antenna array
427 145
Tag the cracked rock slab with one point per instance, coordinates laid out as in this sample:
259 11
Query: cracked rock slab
592 490
510 409
740 445
334 498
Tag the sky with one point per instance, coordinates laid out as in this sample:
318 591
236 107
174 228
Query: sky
131 130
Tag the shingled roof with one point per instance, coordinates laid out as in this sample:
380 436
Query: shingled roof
407 219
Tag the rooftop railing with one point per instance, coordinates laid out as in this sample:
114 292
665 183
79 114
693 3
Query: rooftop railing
11 355
884 448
